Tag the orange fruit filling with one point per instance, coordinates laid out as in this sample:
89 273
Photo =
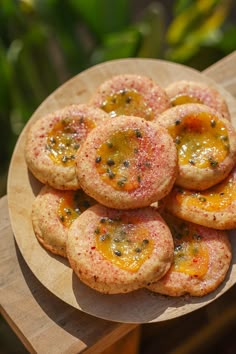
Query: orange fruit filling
129 103
119 161
201 140
124 243
215 198
190 255
182 99
72 205
65 138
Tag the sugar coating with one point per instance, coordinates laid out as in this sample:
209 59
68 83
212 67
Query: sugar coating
48 229
206 94
156 181
154 96
223 218
191 176
37 156
101 274
220 254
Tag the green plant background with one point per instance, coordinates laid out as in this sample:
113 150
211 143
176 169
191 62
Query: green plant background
45 42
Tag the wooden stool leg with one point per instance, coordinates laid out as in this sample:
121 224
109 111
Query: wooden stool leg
128 344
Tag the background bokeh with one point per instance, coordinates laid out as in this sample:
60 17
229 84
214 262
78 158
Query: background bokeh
43 43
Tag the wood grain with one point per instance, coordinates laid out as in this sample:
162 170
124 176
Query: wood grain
40 319
53 272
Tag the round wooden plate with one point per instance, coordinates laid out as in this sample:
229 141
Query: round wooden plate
54 272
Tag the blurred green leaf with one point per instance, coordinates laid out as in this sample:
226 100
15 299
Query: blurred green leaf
152 29
181 5
104 16
117 45
228 40
206 32
194 17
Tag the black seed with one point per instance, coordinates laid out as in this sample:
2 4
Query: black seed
98 159
177 140
213 123
52 140
138 133
77 210
145 241
110 162
222 193
192 162
138 250
212 162
178 247
110 173
122 181
128 99
97 231
109 144
67 211
102 220
62 218
104 237
197 237
117 253
76 146
177 122
202 199
64 159
126 163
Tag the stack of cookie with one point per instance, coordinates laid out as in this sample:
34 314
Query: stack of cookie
139 186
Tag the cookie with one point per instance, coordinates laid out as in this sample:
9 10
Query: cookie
53 212
53 141
202 258
206 144
131 95
117 251
214 207
181 92
128 163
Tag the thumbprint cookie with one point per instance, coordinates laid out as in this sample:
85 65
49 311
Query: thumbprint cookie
128 163
202 257
53 141
53 212
131 95
206 144
181 92
118 251
214 207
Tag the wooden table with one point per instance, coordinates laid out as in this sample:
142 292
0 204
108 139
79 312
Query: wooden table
45 323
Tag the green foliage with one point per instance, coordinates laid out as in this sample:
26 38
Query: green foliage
45 42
